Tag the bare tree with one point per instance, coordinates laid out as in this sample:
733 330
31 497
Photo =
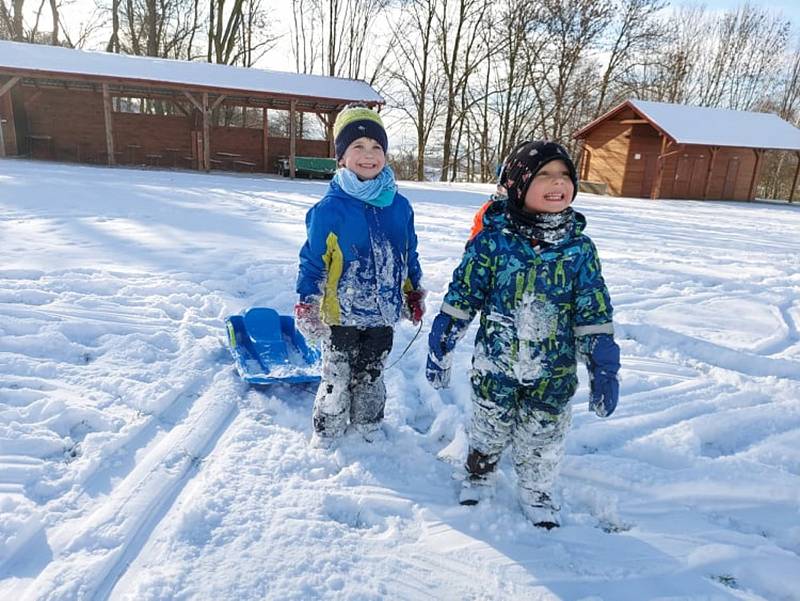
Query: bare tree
458 24
633 29
567 31
338 37
514 104
12 22
420 87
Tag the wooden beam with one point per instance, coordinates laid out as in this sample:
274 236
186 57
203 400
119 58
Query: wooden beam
2 138
714 150
6 87
265 138
12 138
206 134
796 173
633 121
654 193
192 99
292 137
329 123
754 179
108 124
217 102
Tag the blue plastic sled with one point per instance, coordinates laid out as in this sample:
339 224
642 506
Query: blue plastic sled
269 350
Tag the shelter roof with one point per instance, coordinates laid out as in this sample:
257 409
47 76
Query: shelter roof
33 60
685 124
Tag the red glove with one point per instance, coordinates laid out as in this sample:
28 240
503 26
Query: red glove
308 320
415 305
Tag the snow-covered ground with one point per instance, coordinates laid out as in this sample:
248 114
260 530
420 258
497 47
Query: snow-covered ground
134 464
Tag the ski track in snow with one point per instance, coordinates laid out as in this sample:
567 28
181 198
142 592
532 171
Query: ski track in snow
135 465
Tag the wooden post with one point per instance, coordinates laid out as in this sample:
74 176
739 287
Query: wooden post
5 101
659 169
329 121
4 90
206 134
714 150
752 191
586 161
796 173
109 128
292 137
265 138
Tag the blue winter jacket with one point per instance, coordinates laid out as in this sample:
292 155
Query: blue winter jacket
533 303
359 259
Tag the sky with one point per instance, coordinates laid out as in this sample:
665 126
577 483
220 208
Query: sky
77 12
135 464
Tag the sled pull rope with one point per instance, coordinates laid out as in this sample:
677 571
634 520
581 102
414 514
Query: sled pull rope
408 346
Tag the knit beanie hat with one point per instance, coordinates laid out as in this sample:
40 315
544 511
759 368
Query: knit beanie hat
525 161
357 121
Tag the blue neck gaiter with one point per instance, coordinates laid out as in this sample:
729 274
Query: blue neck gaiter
378 192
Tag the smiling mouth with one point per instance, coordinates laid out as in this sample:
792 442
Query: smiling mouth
554 196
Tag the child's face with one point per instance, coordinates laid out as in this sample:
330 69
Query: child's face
364 157
551 189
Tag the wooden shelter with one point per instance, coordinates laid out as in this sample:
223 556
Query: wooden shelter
659 150
62 104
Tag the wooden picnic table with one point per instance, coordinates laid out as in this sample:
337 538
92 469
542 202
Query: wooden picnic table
228 158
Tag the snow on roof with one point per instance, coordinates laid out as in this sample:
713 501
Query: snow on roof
720 127
55 59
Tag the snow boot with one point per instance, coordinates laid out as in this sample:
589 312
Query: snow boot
319 441
371 432
543 513
474 490
478 482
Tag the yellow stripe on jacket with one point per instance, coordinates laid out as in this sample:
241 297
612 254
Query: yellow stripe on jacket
334 263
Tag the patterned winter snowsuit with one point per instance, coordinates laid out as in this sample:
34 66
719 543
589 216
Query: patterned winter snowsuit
534 303
357 262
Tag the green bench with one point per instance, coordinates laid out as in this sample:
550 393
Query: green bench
309 167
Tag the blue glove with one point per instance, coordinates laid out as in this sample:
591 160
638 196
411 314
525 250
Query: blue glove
602 361
446 331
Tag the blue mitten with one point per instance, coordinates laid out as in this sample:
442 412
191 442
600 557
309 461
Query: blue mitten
602 360
446 331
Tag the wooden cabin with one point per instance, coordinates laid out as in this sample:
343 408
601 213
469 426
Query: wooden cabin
70 105
659 150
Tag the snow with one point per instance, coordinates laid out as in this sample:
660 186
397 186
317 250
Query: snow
134 464
68 61
720 127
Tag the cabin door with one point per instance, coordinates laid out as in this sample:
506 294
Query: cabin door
650 162
683 177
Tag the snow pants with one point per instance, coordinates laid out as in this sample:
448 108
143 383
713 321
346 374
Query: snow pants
352 388
506 413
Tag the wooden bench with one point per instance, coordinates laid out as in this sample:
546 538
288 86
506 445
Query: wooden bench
247 165
153 159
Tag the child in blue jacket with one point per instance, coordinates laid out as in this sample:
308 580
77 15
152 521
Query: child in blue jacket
535 278
359 273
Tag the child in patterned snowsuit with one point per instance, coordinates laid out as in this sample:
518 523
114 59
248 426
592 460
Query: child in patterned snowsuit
359 272
535 278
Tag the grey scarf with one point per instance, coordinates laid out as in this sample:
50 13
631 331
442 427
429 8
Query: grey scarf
550 228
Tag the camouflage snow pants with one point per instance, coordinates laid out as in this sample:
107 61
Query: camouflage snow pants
352 388
505 413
